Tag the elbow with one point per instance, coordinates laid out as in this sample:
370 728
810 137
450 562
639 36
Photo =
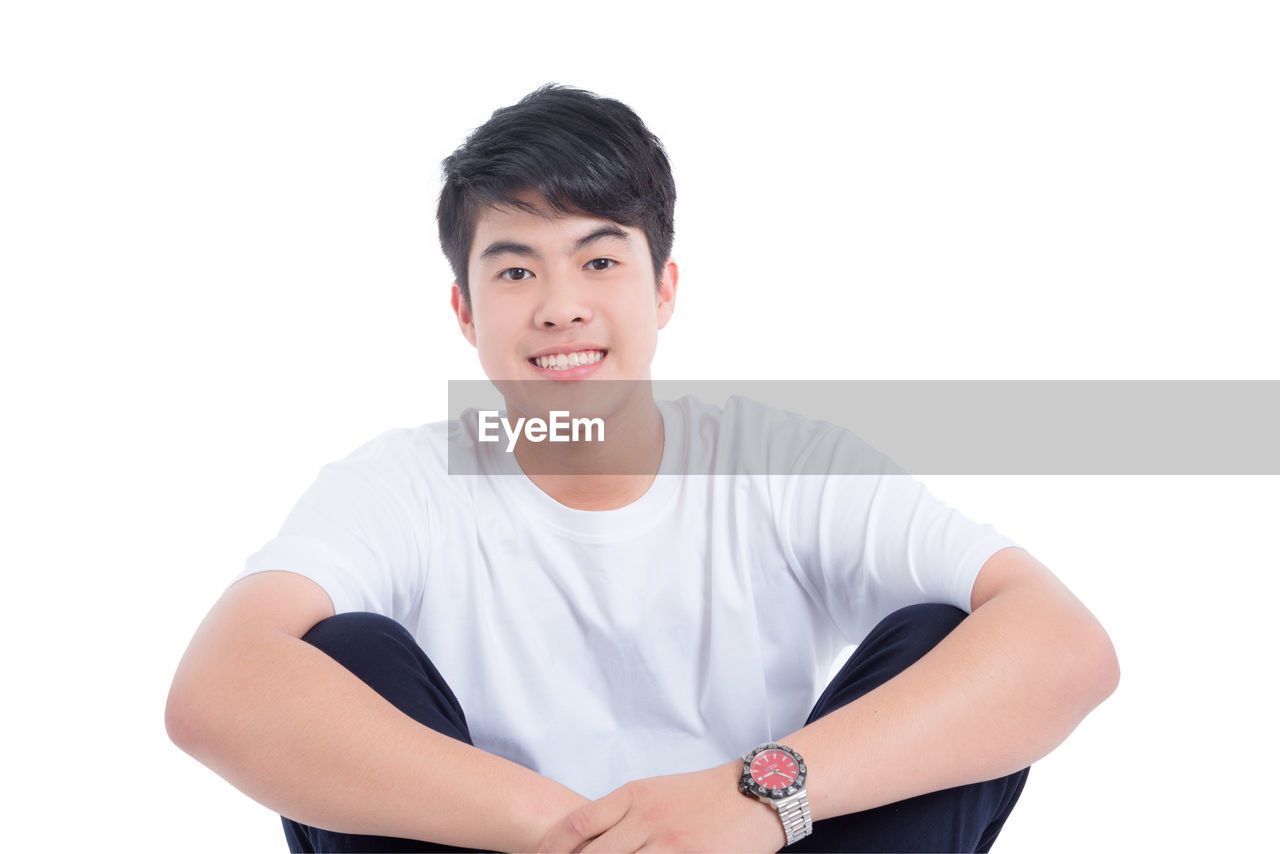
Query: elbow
1109 669
184 721
1099 673
179 720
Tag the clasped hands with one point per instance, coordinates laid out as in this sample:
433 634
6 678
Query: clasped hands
698 811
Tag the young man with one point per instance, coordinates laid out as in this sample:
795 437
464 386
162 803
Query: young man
539 656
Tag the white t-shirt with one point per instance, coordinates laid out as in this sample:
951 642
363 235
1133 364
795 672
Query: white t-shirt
669 635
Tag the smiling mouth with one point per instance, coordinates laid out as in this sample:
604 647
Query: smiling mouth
565 361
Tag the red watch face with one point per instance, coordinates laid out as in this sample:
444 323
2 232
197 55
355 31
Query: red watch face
774 769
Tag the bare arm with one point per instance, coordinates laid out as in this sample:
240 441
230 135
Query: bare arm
1007 686
300 734
999 692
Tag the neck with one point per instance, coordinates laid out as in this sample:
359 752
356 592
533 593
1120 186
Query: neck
629 457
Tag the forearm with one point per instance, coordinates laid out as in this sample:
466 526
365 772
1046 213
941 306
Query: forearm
296 731
998 693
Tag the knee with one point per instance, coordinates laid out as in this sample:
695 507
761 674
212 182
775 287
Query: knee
897 642
384 655
916 629
345 634
929 617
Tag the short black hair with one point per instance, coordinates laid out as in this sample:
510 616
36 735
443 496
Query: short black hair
582 153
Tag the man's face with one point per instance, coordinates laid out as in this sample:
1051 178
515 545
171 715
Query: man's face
562 298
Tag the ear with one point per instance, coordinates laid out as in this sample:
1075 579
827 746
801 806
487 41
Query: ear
466 321
667 292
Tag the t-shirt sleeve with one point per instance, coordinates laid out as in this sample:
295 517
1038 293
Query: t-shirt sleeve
871 539
352 534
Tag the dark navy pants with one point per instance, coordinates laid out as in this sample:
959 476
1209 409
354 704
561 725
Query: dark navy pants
966 818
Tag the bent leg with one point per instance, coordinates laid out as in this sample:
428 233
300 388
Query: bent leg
965 818
386 658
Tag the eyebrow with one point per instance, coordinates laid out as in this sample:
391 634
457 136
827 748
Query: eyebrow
510 247
601 233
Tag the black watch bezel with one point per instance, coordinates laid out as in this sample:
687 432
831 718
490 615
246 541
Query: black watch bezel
748 786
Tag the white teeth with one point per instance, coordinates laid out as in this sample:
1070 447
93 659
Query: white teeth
563 361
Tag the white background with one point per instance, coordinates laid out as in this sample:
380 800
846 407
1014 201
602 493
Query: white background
220 272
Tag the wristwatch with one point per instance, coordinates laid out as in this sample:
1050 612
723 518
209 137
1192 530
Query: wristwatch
775 774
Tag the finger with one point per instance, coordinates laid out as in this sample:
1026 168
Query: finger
587 822
623 836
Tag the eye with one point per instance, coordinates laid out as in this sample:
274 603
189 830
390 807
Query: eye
515 274
600 264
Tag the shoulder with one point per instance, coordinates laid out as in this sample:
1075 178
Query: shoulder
394 448
402 460
759 438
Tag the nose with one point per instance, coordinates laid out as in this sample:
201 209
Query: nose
563 304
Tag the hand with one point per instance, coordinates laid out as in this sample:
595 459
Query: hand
700 811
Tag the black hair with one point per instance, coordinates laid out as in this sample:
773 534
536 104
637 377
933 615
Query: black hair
582 153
